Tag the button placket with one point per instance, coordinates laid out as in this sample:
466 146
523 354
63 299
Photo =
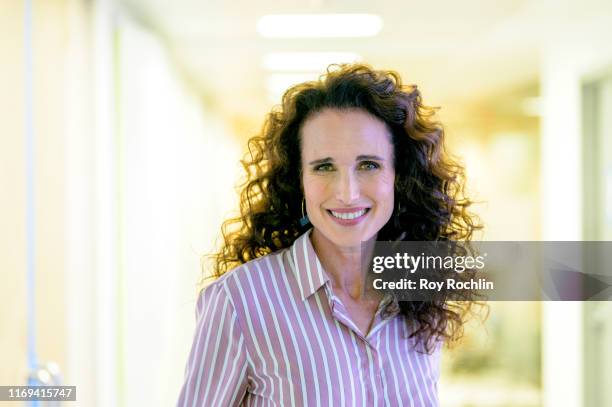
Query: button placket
340 314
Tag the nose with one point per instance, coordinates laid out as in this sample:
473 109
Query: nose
347 188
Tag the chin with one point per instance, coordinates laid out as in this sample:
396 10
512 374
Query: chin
347 238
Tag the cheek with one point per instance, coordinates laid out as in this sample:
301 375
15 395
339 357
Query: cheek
314 188
384 190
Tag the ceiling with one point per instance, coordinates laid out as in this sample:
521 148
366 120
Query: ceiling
454 51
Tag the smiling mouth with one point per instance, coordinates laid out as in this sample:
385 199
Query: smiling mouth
348 215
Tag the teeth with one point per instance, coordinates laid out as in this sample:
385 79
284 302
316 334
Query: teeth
348 215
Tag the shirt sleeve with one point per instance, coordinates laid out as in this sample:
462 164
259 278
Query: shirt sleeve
216 372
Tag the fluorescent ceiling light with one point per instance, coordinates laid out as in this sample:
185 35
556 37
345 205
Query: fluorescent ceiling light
306 61
319 25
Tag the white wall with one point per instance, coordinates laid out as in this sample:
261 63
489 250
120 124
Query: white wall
142 160
176 169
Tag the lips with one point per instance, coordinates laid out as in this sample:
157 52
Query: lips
348 216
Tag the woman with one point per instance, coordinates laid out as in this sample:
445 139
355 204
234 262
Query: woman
351 158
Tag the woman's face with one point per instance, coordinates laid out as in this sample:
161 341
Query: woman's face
347 174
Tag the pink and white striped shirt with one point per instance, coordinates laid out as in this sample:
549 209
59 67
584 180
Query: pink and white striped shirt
272 333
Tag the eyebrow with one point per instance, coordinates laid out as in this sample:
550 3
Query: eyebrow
359 158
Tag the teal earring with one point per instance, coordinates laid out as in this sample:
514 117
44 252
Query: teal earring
304 219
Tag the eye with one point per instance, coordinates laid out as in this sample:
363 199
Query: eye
325 167
369 165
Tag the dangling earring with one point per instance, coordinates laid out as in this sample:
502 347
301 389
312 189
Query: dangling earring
304 219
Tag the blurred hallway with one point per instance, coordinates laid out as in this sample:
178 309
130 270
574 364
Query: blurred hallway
140 114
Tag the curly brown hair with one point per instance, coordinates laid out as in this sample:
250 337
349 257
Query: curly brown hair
429 185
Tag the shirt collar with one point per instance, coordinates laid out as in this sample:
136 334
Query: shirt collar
311 276
307 268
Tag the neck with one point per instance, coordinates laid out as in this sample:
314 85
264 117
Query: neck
343 266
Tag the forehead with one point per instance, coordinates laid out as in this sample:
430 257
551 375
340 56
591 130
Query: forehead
345 134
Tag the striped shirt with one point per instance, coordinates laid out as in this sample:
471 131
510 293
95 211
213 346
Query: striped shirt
272 333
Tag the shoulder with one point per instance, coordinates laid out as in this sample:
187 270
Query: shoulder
249 279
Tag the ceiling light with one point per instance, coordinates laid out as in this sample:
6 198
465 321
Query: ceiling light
319 25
